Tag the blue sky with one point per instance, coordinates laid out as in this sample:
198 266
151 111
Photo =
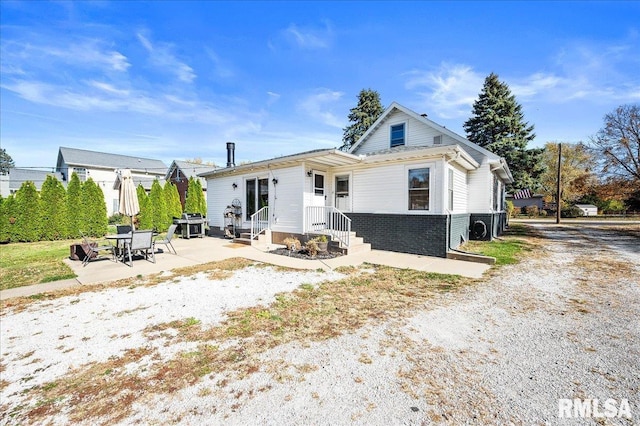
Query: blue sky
176 80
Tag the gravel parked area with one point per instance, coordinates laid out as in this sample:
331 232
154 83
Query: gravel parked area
562 324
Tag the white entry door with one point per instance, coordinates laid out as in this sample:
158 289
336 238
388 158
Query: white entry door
319 189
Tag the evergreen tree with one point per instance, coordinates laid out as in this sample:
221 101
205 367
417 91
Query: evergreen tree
6 211
202 203
172 200
6 162
158 207
191 204
27 211
361 117
497 124
93 215
73 203
145 217
54 209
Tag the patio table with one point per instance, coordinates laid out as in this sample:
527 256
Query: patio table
120 239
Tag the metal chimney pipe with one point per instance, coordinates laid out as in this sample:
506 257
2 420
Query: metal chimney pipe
231 148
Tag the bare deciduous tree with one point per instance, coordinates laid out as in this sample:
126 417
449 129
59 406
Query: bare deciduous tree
617 144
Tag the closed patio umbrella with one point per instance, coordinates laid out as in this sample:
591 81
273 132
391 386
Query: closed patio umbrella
129 205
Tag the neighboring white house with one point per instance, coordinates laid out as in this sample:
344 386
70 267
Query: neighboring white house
588 209
11 182
407 185
101 167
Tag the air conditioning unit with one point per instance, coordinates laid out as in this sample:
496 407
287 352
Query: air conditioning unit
437 140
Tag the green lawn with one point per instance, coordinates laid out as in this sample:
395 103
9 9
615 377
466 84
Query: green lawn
507 249
31 263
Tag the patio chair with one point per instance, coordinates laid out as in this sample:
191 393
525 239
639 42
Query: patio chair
92 249
142 242
123 229
167 239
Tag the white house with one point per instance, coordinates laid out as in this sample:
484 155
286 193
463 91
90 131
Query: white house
11 182
407 185
101 167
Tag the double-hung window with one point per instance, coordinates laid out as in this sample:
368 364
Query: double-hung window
419 189
397 135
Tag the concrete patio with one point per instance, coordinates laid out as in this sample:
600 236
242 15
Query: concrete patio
196 251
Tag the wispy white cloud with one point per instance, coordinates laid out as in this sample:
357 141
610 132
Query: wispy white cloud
306 37
594 73
273 97
318 106
109 88
220 67
77 52
448 91
162 56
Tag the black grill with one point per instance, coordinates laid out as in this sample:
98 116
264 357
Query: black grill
190 225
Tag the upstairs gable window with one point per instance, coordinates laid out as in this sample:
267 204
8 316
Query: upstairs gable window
397 135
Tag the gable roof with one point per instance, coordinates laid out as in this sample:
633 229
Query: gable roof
329 157
102 160
18 176
499 163
189 169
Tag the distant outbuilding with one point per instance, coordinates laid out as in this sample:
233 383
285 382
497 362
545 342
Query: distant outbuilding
588 209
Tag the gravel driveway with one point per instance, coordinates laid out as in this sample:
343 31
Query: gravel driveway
562 324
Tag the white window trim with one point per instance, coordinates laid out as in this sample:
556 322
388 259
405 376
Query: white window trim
432 170
406 132
333 192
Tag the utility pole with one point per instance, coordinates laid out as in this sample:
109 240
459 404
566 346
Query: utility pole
558 190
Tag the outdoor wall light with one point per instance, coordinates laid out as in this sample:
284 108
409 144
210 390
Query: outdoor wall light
310 173
275 181
235 185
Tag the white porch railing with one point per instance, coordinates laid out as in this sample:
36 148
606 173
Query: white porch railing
330 221
259 222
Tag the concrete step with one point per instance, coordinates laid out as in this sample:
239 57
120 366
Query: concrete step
359 248
471 257
241 240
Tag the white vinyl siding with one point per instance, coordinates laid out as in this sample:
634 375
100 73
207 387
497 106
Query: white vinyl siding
416 134
384 188
480 184
459 190
221 194
286 199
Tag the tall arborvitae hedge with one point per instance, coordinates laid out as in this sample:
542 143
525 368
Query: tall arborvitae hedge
145 217
195 202
54 209
93 214
158 207
172 200
202 203
6 218
28 218
73 203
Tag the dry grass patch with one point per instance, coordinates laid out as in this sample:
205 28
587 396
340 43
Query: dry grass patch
216 270
233 348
